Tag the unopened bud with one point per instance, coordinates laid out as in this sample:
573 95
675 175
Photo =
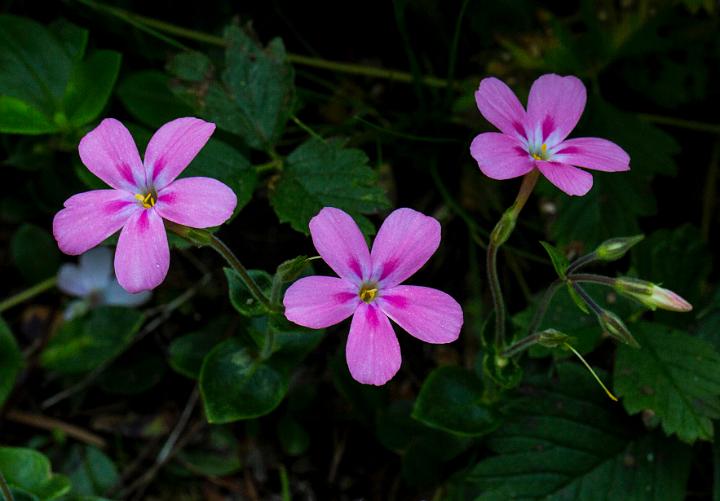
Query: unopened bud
651 295
551 338
503 228
615 328
615 248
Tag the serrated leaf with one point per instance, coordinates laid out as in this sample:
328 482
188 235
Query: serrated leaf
235 385
11 361
674 376
451 399
30 471
85 343
191 66
567 441
558 259
324 174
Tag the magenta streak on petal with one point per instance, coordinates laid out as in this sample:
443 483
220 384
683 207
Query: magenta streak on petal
388 268
396 301
126 173
568 150
158 168
143 222
521 152
344 297
355 267
519 128
166 197
548 126
112 208
371 317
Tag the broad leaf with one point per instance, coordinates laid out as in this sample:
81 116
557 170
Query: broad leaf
244 302
674 377
187 352
146 95
30 471
325 174
11 361
568 441
91 471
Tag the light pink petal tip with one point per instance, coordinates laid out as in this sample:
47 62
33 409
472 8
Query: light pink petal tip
555 105
173 147
342 246
569 179
500 156
318 302
372 350
405 242
70 281
500 106
109 152
593 153
198 202
142 256
90 217
427 314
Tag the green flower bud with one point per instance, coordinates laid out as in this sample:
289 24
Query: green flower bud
503 228
651 295
615 248
615 328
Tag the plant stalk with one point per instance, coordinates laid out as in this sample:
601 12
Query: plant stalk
28 293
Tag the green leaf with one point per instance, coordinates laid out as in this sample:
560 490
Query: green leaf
324 174
224 163
187 352
190 66
257 93
134 374
240 296
559 261
83 344
35 253
30 471
577 299
90 86
675 377
11 361
91 471
235 385
146 95
568 441
451 399
19 117
292 343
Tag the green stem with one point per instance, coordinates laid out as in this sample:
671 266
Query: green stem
5 488
588 300
580 262
499 235
28 293
198 36
680 123
521 345
593 279
222 249
544 304
587 366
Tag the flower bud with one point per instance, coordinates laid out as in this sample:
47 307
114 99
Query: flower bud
551 338
651 295
503 228
615 328
615 248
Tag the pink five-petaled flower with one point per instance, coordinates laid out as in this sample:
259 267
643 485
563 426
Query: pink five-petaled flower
143 195
369 289
536 137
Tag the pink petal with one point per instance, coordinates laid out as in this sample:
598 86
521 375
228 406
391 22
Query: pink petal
592 153
96 266
569 179
341 244
405 242
198 202
555 105
109 152
173 147
500 106
428 314
90 217
500 156
142 256
318 302
372 350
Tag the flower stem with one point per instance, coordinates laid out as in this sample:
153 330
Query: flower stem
587 366
28 293
544 304
580 262
588 300
499 235
222 249
5 488
521 345
593 279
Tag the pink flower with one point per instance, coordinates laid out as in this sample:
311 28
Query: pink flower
142 195
369 289
536 137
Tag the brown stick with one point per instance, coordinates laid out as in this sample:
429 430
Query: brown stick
50 424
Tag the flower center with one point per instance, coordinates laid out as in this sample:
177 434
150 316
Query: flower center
540 155
147 200
368 292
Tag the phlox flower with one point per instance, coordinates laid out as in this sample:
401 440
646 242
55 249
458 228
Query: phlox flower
369 289
92 281
142 195
536 138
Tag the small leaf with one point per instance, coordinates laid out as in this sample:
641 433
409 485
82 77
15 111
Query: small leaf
11 361
187 352
241 298
559 261
35 253
235 385
676 377
83 344
30 471
91 471
577 299
451 399
325 174
90 86
146 95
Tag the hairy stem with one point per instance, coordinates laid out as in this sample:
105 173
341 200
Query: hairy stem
521 345
544 304
28 293
592 279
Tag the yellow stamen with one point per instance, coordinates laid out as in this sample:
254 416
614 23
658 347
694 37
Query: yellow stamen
367 294
147 200
543 153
